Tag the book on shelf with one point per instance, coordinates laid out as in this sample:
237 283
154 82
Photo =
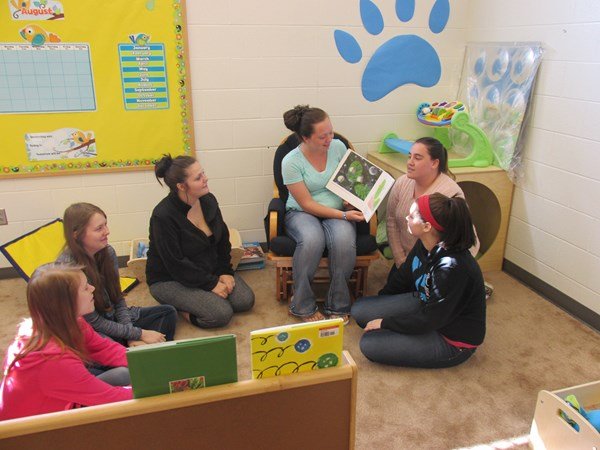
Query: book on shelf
361 183
253 256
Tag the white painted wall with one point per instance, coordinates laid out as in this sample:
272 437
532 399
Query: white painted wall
250 61
554 227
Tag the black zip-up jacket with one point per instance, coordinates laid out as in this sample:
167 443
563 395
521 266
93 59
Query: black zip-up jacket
450 287
179 251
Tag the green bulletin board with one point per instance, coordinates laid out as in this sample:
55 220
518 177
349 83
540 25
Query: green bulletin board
92 86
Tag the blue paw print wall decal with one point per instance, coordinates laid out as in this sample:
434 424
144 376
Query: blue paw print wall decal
401 60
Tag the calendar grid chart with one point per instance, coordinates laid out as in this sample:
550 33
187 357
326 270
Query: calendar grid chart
45 79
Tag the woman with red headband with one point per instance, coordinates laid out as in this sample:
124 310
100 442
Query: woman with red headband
426 172
431 312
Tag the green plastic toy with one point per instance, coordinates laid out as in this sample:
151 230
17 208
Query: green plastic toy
481 155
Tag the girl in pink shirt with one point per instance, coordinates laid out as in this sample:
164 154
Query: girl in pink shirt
45 367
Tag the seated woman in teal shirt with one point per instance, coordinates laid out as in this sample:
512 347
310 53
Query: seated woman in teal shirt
315 217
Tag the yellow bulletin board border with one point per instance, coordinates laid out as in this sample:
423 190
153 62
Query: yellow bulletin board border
144 158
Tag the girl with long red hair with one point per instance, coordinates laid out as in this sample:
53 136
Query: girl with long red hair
46 367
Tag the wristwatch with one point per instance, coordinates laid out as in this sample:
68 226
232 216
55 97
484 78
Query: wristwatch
344 215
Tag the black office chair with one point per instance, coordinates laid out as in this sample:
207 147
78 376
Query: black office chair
281 246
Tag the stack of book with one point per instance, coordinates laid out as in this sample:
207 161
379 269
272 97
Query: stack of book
253 257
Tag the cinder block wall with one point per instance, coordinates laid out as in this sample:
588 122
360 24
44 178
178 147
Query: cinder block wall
250 61
554 230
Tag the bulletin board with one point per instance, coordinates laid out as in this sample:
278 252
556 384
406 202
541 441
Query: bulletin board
92 86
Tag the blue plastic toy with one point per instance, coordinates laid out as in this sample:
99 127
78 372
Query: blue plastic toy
592 416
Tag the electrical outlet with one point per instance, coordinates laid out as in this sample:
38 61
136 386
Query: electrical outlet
3 219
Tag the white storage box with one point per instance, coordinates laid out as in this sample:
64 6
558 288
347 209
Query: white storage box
551 431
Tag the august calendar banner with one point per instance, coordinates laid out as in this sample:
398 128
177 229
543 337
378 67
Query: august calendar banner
92 89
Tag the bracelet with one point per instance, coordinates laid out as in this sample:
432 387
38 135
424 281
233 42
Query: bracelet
344 215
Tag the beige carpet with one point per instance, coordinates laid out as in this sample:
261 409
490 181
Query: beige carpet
530 345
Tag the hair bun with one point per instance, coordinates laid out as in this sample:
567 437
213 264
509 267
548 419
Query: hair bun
163 165
292 119
300 110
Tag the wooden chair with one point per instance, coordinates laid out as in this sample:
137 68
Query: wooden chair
281 246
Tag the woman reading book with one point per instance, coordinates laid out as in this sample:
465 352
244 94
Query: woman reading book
45 369
86 236
431 312
189 259
315 217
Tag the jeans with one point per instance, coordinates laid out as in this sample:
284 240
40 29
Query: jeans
161 318
427 350
115 376
207 309
312 235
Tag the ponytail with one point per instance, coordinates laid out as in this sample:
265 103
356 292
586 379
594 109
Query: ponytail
437 151
173 170
454 217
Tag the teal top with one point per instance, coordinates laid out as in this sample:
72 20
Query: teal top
295 167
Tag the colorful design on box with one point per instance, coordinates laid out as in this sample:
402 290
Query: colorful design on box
296 348
327 360
187 384
36 10
302 345
402 59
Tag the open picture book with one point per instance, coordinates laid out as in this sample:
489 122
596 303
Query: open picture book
360 183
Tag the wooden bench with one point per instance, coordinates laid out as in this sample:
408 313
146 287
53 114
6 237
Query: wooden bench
309 410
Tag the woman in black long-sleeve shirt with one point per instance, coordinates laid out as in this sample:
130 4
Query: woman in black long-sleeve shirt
431 312
189 261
